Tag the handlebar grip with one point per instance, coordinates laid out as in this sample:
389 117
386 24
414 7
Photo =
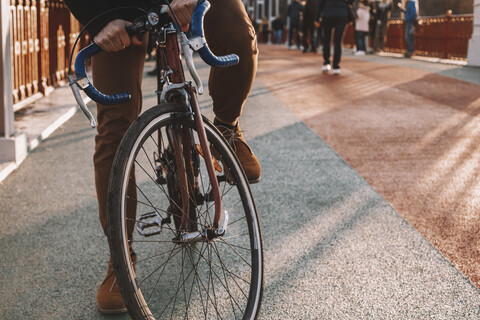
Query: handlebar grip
90 90
197 31
131 30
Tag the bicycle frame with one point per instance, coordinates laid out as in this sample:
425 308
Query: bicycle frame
172 87
171 82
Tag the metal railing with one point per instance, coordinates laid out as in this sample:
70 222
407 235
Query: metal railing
42 33
444 37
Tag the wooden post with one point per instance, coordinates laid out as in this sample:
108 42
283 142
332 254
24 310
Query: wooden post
14 51
23 49
474 44
44 71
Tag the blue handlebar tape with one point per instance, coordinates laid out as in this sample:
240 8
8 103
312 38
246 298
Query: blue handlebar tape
197 31
90 90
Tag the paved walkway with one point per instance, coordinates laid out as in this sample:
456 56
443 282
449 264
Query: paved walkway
337 244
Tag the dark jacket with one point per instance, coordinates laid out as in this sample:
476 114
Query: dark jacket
383 13
278 24
332 9
293 11
85 10
310 10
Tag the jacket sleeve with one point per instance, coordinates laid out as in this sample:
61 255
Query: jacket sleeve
320 7
86 10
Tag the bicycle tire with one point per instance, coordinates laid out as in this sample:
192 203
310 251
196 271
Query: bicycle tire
227 281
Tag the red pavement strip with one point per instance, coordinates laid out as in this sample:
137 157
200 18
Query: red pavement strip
413 135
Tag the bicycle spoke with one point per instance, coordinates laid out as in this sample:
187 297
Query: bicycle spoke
195 278
236 246
239 255
226 281
162 265
239 219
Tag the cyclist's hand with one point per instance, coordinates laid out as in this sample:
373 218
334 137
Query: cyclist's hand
113 37
183 10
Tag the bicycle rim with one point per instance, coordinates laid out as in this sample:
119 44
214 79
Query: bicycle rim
206 279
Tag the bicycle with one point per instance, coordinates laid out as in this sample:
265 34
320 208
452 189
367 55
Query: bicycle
176 251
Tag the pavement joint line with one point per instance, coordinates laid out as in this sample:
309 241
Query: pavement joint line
9 168
51 128
31 145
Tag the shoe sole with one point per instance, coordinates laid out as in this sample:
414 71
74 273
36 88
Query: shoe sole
113 311
252 181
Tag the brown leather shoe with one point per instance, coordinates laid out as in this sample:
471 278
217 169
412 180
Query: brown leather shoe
109 297
245 155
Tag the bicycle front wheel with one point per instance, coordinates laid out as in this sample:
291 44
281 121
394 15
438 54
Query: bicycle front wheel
159 275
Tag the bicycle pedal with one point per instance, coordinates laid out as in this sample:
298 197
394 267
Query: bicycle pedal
150 224
161 179
216 165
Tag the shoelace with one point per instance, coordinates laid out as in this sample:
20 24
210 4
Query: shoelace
234 133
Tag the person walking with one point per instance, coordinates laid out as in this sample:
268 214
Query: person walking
277 26
251 16
334 15
361 27
265 29
308 26
383 14
118 68
410 12
294 12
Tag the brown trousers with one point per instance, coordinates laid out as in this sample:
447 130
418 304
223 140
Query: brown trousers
228 30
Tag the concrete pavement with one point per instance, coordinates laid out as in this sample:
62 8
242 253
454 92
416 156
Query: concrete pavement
334 247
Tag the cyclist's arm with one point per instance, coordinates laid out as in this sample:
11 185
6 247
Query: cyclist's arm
183 10
86 10
108 31
114 37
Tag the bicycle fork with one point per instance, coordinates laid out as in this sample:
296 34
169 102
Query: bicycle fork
174 82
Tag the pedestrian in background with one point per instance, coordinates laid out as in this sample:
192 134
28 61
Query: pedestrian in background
361 27
308 26
294 12
264 29
254 22
383 14
278 25
334 15
410 13
372 24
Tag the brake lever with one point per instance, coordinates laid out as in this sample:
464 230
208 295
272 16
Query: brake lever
187 53
78 97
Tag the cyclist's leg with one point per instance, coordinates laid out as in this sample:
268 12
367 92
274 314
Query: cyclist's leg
229 30
113 73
